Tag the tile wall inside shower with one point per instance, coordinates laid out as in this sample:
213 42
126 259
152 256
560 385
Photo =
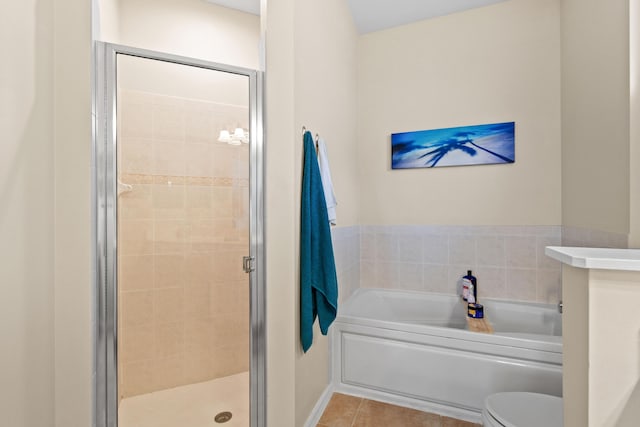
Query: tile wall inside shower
183 229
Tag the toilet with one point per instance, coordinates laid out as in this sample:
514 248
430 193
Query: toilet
522 409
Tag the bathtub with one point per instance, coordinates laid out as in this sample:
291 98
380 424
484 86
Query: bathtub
413 349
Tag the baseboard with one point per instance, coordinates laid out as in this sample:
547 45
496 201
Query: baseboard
321 404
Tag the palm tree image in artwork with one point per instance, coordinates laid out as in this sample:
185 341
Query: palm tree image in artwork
468 145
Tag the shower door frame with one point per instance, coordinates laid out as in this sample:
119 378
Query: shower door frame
105 305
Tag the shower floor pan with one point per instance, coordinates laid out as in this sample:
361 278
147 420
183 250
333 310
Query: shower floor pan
193 405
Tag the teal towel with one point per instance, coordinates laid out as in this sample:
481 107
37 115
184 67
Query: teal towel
318 282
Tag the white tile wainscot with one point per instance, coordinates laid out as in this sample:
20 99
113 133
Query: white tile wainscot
601 335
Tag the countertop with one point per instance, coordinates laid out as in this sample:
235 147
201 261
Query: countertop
596 258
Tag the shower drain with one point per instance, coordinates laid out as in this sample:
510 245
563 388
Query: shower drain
223 417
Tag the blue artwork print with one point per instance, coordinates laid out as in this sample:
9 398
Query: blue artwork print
466 145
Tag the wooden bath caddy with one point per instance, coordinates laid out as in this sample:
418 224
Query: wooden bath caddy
479 325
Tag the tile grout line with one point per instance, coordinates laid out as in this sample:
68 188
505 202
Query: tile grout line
355 416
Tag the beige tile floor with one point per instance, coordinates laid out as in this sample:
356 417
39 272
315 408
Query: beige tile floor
351 411
193 405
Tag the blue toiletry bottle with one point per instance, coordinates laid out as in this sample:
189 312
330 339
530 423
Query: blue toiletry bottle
471 278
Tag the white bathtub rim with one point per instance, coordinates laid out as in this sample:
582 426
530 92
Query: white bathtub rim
548 343
460 334
533 304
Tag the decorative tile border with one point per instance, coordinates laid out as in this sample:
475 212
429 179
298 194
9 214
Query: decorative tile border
200 181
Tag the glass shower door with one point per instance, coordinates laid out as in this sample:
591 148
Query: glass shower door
182 168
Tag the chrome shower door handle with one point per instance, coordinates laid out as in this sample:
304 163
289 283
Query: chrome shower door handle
247 264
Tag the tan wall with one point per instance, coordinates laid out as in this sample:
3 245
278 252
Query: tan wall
322 99
601 374
281 213
26 214
191 28
183 231
489 65
73 205
325 102
575 345
106 20
595 115
325 90
634 117
614 349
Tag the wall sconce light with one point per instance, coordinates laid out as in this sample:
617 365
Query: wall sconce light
238 137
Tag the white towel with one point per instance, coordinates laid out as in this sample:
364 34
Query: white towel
327 185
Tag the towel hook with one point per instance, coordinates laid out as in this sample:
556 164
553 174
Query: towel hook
317 138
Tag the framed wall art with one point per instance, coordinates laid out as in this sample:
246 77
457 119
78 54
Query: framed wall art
458 146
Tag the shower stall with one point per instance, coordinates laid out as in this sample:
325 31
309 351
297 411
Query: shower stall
179 296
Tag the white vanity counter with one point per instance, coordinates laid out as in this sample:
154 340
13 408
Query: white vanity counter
596 258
